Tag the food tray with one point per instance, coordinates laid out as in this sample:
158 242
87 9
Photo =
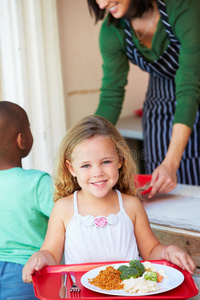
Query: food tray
47 284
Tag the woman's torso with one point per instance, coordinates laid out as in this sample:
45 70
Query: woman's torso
160 104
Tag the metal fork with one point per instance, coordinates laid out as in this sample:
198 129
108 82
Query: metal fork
74 290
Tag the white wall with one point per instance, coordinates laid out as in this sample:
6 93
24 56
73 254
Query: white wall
81 63
30 68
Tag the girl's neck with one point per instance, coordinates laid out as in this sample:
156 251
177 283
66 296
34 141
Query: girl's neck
91 205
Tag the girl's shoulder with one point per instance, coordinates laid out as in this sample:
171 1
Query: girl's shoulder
131 202
132 206
63 210
64 204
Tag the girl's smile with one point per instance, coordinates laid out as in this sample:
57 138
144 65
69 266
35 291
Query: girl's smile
95 164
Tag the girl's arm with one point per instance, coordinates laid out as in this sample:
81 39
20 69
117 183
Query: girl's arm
175 255
36 262
149 246
51 252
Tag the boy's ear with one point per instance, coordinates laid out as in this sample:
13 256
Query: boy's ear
70 168
20 141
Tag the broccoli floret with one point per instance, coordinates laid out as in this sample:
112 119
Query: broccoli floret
151 276
122 268
129 272
137 265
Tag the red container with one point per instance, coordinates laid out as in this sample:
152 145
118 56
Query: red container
138 112
141 180
47 283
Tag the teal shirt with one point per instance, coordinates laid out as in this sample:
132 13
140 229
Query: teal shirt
184 17
26 201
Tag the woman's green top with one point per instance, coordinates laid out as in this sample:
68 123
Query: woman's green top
184 17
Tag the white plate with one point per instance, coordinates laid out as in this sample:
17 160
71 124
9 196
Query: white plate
175 278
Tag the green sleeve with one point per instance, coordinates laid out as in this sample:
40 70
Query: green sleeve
185 17
44 194
115 70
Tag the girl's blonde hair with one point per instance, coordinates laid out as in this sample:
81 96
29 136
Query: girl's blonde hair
88 127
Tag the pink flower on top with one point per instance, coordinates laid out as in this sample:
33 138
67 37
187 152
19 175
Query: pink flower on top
100 221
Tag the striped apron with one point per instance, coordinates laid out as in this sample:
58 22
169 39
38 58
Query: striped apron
159 106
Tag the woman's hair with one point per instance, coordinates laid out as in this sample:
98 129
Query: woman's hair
136 9
88 127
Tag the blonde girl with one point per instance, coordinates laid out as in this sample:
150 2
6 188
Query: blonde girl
97 215
87 128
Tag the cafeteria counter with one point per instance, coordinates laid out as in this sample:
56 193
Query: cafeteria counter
131 127
175 219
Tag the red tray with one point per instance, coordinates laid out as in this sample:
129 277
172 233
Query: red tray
47 284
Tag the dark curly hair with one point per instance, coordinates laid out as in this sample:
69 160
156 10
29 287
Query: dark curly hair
136 9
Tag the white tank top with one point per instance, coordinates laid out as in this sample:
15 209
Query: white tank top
100 239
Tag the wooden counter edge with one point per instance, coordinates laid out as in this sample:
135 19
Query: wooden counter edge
185 239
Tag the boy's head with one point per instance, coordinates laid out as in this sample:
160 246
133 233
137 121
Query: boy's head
16 139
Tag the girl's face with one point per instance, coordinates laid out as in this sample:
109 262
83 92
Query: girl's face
95 163
117 8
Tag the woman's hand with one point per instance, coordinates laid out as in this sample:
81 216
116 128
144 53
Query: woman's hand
163 180
164 176
179 257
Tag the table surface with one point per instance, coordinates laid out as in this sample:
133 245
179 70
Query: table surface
180 208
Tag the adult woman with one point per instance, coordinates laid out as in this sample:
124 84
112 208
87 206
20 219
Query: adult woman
161 37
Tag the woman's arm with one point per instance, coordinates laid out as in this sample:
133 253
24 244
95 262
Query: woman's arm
115 70
187 82
164 177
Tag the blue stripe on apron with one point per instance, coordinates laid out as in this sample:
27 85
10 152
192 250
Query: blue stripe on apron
159 106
